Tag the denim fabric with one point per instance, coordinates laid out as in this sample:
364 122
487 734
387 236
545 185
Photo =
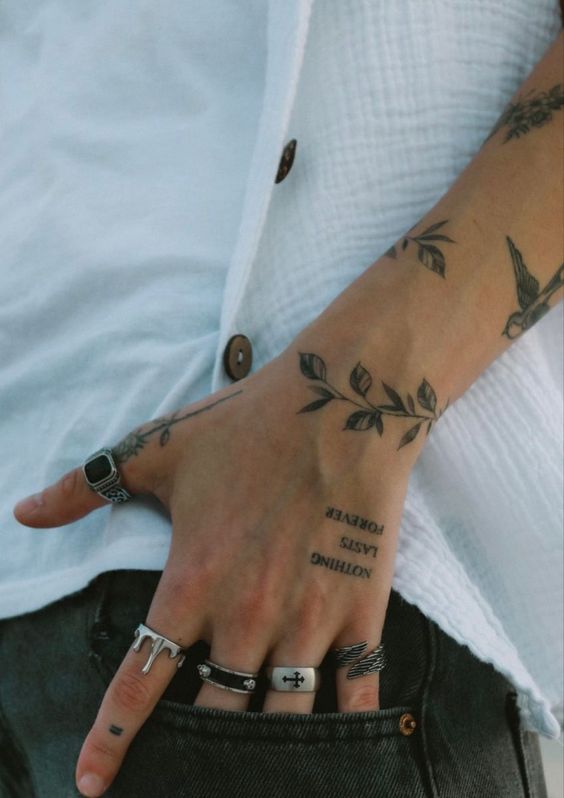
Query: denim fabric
56 663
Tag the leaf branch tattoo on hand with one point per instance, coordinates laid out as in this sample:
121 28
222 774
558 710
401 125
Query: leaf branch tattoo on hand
131 445
370 415
427 253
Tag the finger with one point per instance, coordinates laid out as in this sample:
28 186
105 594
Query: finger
71 497
130 699
361 693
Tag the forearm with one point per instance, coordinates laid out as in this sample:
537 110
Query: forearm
444 307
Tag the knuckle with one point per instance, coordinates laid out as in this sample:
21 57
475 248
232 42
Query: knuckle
253 607
182 588
69 483
362 699
314 608
131 693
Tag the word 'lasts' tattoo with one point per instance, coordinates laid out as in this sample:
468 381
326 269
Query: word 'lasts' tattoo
132 444
428 253
529 112
358 546
533 302
340 565
370 415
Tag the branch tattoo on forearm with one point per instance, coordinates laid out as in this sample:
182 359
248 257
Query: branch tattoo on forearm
135 441
533 301
370 415
534 110
428 253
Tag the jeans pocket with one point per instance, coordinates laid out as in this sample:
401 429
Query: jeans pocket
248 753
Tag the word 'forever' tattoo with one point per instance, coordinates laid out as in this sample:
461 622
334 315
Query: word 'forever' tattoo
370 415
428 253
533 301
529 112
354 520
132 444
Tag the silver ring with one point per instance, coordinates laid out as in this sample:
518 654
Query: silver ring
227 679
346 654
160 643
102 476
293 679
373 662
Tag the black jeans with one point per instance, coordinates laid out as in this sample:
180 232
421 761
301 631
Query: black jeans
56 662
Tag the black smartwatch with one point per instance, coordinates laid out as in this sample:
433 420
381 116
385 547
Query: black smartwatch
102 476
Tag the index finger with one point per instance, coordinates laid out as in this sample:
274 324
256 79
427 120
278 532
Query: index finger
127 703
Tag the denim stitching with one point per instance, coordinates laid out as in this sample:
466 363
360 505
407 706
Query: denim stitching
433 646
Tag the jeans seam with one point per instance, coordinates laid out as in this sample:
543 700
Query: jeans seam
433 644
527 766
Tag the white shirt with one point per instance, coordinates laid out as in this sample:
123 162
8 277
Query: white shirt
388 102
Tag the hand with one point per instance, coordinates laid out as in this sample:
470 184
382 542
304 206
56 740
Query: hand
249 481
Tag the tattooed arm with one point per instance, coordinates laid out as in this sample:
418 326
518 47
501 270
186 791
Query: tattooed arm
476 272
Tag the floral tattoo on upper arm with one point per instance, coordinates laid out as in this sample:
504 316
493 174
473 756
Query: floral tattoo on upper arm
534 110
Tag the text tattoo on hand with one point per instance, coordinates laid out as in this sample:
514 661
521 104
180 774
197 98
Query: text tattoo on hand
351 544
370 415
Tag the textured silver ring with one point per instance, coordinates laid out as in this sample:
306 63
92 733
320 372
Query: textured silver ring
346 654
102 476
293 679
373 662
160 643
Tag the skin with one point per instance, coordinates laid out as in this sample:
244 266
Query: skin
247 485
248 474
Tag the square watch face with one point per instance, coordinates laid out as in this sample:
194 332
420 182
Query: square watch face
98 469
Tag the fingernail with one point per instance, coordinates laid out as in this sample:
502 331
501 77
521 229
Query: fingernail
30 503
91 785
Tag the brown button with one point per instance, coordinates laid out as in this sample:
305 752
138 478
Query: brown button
286 161
238 357
407 724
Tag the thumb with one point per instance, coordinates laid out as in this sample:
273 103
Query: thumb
71 498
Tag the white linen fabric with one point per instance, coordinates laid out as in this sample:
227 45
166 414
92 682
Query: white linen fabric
388 102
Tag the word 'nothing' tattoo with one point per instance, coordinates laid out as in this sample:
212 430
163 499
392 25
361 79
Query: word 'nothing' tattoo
354 520
529 112
427 252
132 444
533 302
340 565
370 415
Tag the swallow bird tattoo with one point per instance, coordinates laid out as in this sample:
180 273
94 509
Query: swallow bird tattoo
533 302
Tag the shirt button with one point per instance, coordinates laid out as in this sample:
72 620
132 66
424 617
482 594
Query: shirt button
407 724
238 357
286 161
